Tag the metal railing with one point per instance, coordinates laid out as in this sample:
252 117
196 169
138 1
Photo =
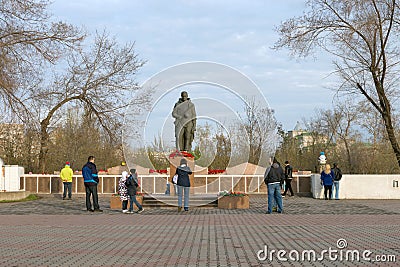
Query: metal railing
152 184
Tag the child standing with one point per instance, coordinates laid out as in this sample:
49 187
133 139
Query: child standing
132 183
123 191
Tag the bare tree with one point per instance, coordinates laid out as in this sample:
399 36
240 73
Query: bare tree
223 152
340 122
69 142
259 123
28 39
98 81
364 36
205 145
318 138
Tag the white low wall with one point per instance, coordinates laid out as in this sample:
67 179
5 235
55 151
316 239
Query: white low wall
9 181
360 186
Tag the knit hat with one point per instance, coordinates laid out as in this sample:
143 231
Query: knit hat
67 163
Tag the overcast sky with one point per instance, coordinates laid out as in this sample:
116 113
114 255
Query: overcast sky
239 34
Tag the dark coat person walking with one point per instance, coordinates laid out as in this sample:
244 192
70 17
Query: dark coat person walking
288 179
132 183
274 180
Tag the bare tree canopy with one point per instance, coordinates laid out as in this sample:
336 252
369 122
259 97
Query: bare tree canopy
27 40
363 35
97 81
260 125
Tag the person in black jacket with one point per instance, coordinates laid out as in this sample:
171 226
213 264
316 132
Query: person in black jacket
274 180
132 183
288 178
183 184
336 180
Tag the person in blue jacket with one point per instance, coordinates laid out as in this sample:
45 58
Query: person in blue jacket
183 184
91 179
327 177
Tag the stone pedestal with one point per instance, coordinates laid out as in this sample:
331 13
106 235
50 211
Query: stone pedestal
116 203
174 160
234 202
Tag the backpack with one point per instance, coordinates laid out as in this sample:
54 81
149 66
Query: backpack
131 181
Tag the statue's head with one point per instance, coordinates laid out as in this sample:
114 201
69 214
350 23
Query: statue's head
184 95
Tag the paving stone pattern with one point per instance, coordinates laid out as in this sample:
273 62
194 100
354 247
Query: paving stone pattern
53 232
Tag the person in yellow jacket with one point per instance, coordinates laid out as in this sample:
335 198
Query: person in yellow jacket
66 177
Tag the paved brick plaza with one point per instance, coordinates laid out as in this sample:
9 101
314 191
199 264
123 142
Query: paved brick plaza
53 232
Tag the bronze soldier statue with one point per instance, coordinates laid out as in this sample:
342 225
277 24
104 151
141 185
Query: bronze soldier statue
185 122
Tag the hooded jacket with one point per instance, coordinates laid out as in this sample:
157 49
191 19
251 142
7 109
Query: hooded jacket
275 174
132 184
66 174
89 173
183 172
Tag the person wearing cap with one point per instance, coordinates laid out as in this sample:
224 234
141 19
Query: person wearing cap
66 176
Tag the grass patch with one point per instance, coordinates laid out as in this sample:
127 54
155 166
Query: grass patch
28 198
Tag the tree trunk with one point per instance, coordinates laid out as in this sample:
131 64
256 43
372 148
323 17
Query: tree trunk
386 113
391 135
44 135
349 163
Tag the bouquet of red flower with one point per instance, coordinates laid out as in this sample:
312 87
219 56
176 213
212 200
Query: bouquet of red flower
181 154
231 194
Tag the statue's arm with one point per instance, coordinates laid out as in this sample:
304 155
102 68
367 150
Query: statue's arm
175 113
194 117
